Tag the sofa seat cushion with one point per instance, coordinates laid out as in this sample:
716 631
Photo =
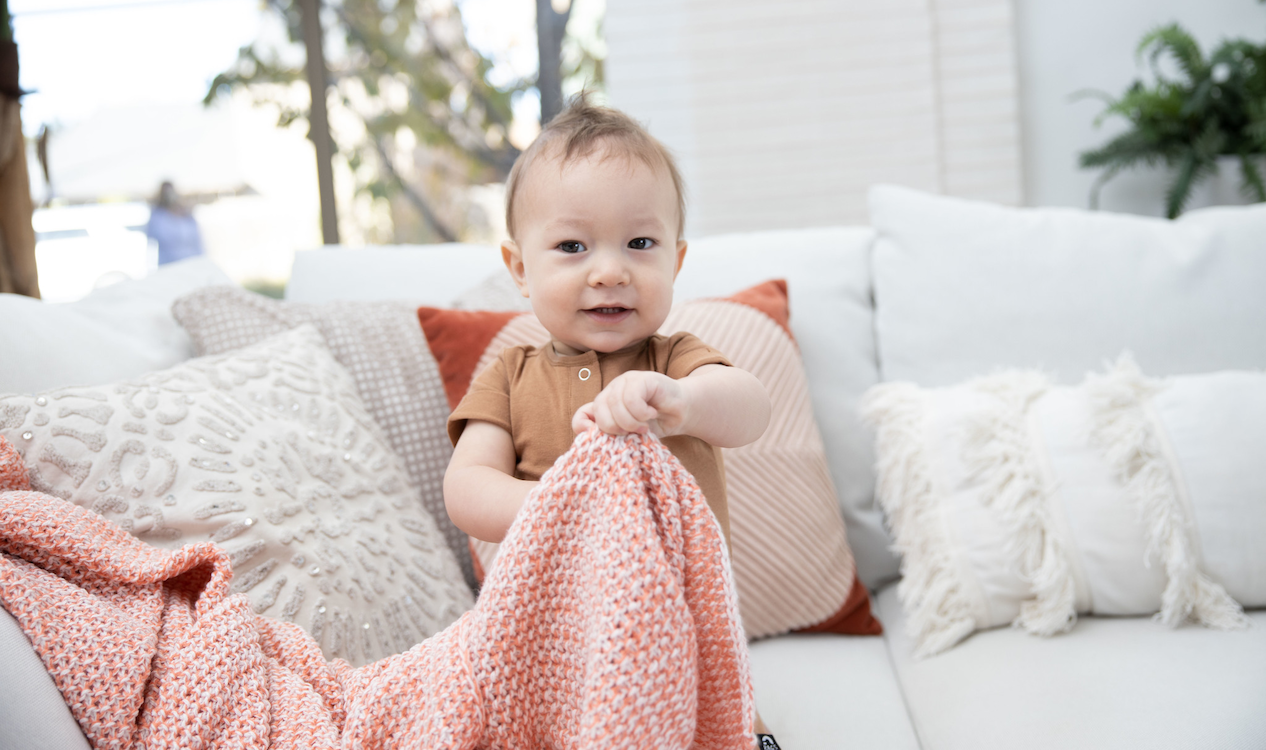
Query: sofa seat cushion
822 692
1109 683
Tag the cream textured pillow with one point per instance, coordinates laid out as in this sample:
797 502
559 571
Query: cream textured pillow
1015 501
269 452
380 345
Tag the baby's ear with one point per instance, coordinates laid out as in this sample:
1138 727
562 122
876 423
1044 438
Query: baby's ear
681 257
513 258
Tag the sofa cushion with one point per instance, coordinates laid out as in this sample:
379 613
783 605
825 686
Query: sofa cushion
1111 683
269 452
792 565
380 344
1016 501
824 692
120 331
827 270
963 288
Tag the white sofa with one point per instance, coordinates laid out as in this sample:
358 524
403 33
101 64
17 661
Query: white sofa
938 291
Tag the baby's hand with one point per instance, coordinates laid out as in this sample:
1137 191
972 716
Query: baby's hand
636 402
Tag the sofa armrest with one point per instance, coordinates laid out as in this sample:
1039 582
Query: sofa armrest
33 715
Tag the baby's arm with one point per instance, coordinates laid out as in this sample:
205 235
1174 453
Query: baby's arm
724 406
480 491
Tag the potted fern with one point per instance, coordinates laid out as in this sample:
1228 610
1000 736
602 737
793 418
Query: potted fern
1214 110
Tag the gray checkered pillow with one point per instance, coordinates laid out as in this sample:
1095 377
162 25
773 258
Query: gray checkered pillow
381 344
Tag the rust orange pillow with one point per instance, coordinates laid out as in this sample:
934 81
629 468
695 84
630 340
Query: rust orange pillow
792 564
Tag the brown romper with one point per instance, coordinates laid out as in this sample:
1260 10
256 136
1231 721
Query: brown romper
533 392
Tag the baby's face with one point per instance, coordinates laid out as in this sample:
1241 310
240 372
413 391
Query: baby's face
596 250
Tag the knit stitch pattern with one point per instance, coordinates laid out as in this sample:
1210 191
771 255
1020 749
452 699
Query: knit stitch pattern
610 621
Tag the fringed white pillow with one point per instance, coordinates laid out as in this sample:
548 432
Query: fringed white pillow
1016 501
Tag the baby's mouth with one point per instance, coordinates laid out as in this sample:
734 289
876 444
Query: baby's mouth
608 314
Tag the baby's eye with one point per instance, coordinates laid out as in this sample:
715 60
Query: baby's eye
571 246
642 243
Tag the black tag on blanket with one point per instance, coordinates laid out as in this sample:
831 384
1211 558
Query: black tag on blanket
767 742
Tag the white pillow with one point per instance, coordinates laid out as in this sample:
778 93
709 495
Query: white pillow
269 452
1015 501
963 288
425 274
117 332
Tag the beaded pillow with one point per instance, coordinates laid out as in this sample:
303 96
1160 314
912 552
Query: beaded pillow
380 345
269 452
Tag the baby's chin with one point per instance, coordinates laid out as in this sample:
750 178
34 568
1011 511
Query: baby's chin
565 349
601 343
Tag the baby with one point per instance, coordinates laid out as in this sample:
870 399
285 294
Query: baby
595 211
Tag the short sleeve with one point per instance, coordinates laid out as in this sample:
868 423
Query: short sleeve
488 399
686 353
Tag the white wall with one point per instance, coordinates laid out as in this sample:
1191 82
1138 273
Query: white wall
1068 45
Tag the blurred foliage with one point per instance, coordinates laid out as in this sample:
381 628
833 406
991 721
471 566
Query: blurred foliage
583 60
1215 107
432 121
266 287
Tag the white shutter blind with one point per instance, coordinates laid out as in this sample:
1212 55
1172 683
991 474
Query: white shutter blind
978 99
784 113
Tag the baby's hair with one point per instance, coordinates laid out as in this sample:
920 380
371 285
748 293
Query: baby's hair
583 128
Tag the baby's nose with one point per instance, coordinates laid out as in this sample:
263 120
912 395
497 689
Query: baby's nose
608 270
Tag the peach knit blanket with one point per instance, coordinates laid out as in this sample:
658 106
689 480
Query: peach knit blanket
609 621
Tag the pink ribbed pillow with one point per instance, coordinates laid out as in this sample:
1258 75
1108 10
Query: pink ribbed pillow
792 563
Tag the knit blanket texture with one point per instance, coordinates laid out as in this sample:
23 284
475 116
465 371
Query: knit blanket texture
609 621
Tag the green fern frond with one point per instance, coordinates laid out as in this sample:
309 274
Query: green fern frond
1178 191
1255 130
1192 170
1211 142
1132 148
1251 185
1257 133
1097 186
1197 104
1180 45
1103 96
1140 104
